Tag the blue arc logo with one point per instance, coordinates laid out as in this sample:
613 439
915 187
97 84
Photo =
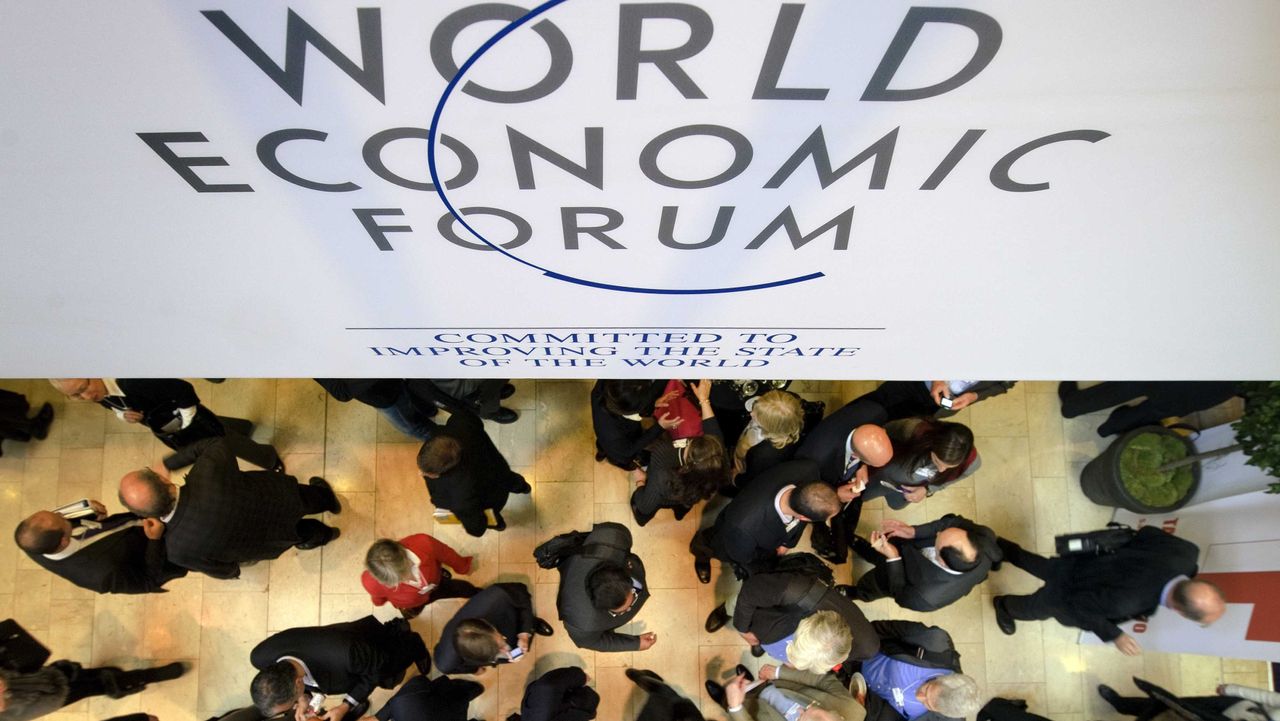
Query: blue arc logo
444 198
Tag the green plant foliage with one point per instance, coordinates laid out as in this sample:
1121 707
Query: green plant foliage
1139 462
1259 430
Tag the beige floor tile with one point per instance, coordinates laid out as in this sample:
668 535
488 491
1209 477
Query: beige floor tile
40 485
1063 669
341 607
83 424
233 623
516 544
1003 415
515 440
973 662
664 546
675 655
566 444
253 399
300 416
619 698
10 517
1012 659
1045 435
79 474
1080 434
611 483
172 628
402 507
343 562
32 599
70 629
350 448
293 596
1052 511
562 507
1200 675
1004 488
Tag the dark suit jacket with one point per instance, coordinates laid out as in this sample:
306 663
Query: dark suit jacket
1103 590
156 398
771 605
748 531
422 699
661 483
123 562
226 517
826 443
588 626
560 694
760 458
919 645
482 479
919 584
621 439
351 658
507 606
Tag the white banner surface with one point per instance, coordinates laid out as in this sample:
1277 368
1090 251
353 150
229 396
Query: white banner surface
594 188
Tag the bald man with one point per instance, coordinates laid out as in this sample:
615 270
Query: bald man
1155 570
223 517
120 553
846 445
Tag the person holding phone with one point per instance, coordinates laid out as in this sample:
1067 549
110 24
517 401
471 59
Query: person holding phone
940 399
928 455
495 626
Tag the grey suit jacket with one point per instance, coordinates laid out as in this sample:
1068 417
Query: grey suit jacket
588 626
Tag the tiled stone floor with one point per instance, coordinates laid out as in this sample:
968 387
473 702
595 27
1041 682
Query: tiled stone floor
1026 489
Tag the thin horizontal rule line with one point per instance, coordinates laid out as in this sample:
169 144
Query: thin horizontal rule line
601 327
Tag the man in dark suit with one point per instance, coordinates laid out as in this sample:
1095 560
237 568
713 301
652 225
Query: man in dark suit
222 517
1097 592
602 588
561 694
618 408
466 474
350 658
106 554
424 699
765 520
494 626
916 676
846 445
770 606
173 412
929 566
664 703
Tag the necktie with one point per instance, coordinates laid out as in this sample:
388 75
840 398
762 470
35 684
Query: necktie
850 469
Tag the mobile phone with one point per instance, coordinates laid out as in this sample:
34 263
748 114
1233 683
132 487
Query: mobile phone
945 402
515 653
890 486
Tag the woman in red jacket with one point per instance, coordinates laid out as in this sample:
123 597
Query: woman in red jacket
408 573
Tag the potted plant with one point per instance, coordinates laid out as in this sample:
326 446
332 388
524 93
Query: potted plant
1155 470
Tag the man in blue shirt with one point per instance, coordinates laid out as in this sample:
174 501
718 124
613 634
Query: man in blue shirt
916 676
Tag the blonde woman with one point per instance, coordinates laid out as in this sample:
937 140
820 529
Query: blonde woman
777 418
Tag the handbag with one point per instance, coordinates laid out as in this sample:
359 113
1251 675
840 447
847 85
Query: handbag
19 650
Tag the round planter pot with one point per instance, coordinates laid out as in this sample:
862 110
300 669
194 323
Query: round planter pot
1100 479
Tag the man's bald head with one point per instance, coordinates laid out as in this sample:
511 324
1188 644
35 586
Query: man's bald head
1199 601
146 493
872 445
43 532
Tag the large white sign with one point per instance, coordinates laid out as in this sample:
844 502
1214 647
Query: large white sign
723 188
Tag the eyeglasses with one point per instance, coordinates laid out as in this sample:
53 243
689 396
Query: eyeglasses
631 601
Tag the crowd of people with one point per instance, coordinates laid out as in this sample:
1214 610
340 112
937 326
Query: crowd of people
765 465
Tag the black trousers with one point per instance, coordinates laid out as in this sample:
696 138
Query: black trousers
110 681
904 399
237 431
1049 601
1145 707
1163 399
